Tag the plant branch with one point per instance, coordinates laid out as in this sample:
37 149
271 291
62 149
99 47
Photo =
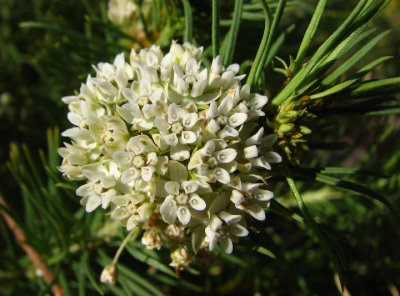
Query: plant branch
33 255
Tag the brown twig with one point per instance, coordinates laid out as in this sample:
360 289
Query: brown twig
33 255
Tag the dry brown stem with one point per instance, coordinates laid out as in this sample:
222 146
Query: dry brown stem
33 255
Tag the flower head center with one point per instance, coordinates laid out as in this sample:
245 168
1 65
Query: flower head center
212 162
222 120
182 198
138 161
143 101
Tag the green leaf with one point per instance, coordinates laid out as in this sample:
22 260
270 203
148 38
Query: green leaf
134 276
188 21
350 171
384 112
353 59
335 89
370 86
133 287
305 43
331 248
322 52
139 255
333 181
265 252
215 28
277 44
89 273
233 32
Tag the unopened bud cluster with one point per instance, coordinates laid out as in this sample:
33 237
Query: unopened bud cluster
165 144
291 126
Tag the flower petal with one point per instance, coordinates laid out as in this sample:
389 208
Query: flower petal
136 146
122 157
162 125
225 106
259 101
168 210
174 113
222 175
190 186
191 67
212 237
129 175
215 223
84 190
257 212
238 230
250 152
263 195
188 137
180 152
171 139
198 88
183 215
228 131
230 218
260 162
272 157
269 140
237 119
189 120
119 213
256 138
208 148
226 155
172 187
226 244
93 202
237 198
147 173
197 203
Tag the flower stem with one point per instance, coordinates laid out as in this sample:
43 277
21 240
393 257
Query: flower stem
135 233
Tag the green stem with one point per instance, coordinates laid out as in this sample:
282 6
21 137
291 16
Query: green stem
215 28
135 231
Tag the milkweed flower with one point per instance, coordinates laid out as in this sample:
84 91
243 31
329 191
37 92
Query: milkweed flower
163 142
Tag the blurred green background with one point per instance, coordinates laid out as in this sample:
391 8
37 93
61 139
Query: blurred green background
47 48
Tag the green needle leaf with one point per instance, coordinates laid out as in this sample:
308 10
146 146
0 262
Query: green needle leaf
188 21
312 28
215 28
329 244
333 181
354 59
233 32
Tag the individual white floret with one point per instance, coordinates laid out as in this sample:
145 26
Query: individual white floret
182 196
224 229
249 197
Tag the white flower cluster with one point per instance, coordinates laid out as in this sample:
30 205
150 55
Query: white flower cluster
162 138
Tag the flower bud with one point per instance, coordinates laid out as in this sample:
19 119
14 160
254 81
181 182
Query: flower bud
175 233
152 240
109 275
180 258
